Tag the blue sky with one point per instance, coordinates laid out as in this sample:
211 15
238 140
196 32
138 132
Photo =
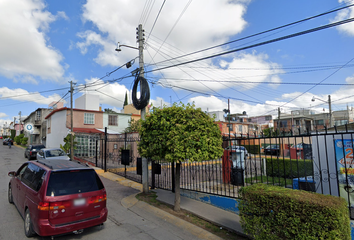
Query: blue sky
46 44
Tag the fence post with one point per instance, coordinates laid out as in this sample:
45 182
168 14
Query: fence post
96 150
105 149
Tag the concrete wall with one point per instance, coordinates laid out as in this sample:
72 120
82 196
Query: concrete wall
56 130
123 122
88 102
79 119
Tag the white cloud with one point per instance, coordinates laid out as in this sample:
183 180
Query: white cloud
25 96
24 49
112 94
159 102
117 22
347 13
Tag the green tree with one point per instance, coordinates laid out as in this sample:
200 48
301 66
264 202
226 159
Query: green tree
134 126
179 134
126 99
269 132
67 143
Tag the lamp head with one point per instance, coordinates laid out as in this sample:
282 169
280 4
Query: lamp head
313 99
118 48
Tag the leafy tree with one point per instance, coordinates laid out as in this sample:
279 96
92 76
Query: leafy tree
13 134
269 132
134 126
126 99
179 134
67 143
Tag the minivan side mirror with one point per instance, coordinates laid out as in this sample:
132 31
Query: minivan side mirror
12 174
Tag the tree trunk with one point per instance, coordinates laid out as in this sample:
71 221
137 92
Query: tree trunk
177 206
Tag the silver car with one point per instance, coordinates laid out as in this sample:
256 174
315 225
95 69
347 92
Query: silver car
52 154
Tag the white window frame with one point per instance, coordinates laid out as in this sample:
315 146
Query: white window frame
89 118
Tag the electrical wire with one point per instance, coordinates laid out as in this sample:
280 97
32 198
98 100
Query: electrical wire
152 29
259 44
257 34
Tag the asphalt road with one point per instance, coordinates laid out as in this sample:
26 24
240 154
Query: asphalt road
135 222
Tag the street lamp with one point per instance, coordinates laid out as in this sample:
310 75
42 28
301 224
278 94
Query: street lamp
122 45
329 106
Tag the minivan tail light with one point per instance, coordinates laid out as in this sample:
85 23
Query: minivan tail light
99 198
45 206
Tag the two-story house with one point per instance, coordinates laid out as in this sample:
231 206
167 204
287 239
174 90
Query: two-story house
37 119
87 120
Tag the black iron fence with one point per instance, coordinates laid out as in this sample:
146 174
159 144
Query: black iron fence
321 163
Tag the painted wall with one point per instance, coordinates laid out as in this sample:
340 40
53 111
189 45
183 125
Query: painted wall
88 102
123 122
78 118
56 129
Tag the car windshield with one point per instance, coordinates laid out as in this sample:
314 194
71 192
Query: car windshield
71 182
55 153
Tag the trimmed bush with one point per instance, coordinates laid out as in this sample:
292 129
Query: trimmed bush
271 212
289 168
24 141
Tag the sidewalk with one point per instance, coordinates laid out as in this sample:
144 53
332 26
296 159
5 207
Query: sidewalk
217 216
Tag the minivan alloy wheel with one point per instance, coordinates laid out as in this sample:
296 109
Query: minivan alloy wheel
28 225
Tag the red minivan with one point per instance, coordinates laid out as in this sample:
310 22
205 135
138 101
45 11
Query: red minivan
57 196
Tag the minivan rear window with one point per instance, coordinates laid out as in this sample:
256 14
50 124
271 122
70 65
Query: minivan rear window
72 182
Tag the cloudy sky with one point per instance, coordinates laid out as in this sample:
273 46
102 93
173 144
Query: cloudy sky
206 52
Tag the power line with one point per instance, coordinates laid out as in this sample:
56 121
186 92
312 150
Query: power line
156 20
270 30
259 44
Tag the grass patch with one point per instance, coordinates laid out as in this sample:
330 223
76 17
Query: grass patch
151 198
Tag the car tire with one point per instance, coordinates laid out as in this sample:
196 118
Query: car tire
9 194
29 232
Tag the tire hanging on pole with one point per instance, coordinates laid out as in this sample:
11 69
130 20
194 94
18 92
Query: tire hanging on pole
144 93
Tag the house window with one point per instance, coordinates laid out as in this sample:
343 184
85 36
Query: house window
112 120
319 122
38 115
283 123
268 118
240 128
231 127
89 118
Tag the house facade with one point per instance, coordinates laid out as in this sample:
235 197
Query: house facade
37 119
116 122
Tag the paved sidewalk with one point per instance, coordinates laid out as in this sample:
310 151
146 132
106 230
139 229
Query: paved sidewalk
220 217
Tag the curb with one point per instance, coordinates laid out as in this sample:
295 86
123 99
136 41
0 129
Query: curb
131 201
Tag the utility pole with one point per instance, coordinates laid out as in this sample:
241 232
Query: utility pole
71 122
145 164
330 111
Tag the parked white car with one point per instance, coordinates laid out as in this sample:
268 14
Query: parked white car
52 154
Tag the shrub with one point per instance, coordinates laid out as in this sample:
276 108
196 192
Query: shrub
24 141
289 168
271 212
253 149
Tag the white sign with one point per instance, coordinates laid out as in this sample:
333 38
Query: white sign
29 127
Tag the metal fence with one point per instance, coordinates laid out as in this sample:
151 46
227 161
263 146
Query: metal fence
321 163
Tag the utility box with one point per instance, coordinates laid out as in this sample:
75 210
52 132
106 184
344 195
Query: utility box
233 166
